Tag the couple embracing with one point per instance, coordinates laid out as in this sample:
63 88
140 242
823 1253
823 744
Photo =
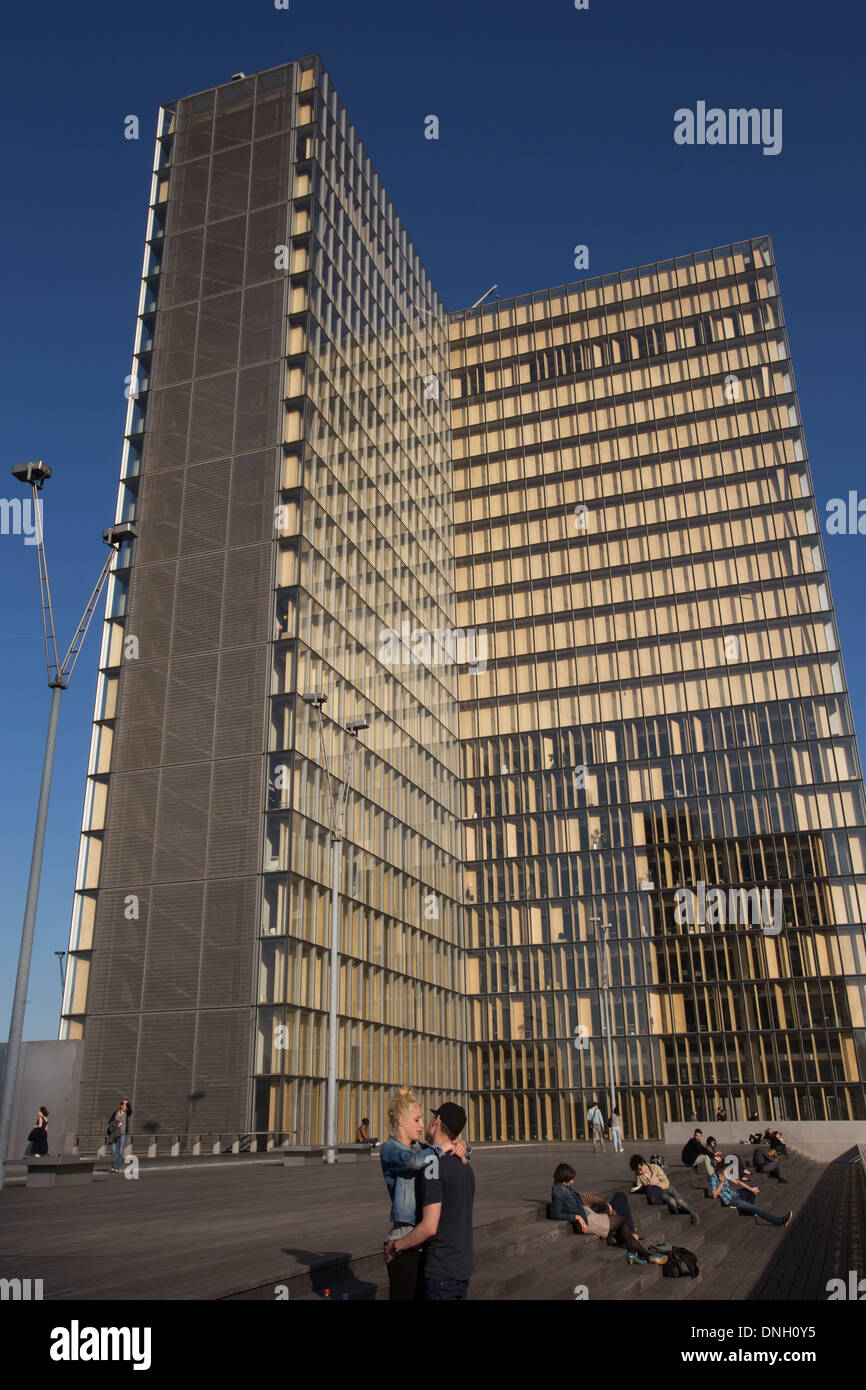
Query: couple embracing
431 1187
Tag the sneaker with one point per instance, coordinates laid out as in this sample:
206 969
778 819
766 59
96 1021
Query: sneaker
634 1259
658 1259
695 1218
638 1187
787 1218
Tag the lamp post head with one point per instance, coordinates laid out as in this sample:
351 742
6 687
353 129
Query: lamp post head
31 474
356 726
316 698
124 531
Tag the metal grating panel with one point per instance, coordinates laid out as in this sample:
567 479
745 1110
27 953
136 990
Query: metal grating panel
234 114
271 171
194 127
138 737
266 231
187 195
180 829
240 703
174 928
189 709
228 949
174 344
236 801
164 1080
251 510
197 605
180 275
161 497
224 257
262 325
220 1083
258 421
107 1071
218 334
212 418
167 425
127 855
274 102
118 956
151 595
205 507
229 181
246 601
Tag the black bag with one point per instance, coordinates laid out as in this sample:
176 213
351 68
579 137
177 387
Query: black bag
35 1135
682 1264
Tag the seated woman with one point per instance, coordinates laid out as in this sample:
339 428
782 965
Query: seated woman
568 1205
651 1175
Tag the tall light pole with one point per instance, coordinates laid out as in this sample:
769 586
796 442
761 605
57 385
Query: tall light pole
34 475
602 928
336 825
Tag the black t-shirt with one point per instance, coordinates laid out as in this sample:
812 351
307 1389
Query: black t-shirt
451 1182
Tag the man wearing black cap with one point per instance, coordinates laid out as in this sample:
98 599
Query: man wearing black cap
446 1192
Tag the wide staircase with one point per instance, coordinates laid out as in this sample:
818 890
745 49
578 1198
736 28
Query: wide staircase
532 1258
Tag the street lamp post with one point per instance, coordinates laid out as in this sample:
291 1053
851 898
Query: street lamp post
336 825
34 475
606 1013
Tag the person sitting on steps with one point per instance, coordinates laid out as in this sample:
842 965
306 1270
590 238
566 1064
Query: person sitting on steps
723 1188
568 1205
651 1175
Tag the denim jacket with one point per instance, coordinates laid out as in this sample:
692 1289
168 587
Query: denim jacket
565 1203
400 1166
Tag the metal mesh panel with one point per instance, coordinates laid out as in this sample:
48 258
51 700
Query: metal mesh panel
194 126
107 1070
220 1082
197 605
212 418
258 421
271 171
205 507
230 931
235 819
118 960
240 704
274 102
224 257
246 602
180 274
265 231
173 946
229 182
174 343
161 497
234 114
180 832
218 334
262 324
164 1080
187 195
167 424
127 855
189 709
251 509
151 594
138 740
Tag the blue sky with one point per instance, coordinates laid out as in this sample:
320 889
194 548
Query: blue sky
556 128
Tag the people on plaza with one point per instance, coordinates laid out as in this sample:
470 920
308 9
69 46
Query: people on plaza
721 1113
596 1125
696 1155
723 1188
648 1174
773 1140
118 1133
445 1193
37 1139
592 1215
403 1157
764 1163
362 1134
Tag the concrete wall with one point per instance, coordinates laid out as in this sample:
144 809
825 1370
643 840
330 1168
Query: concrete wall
49 1074
822 1140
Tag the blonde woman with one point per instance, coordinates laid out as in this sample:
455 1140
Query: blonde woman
403 1156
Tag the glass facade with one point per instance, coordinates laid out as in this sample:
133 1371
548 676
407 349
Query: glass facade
664 704
562 554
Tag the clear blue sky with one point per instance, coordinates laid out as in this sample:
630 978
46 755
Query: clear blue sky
556 128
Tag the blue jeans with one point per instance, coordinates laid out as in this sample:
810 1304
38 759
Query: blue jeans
742 1205
445 1290
678 1200
117 1147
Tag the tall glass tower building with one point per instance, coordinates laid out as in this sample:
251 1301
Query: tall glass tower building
562 554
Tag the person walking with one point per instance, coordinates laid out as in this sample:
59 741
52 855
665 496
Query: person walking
37 1139
596 1125
616 1131
446 1197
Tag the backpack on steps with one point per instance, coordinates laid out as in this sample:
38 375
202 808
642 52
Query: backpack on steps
682 1264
